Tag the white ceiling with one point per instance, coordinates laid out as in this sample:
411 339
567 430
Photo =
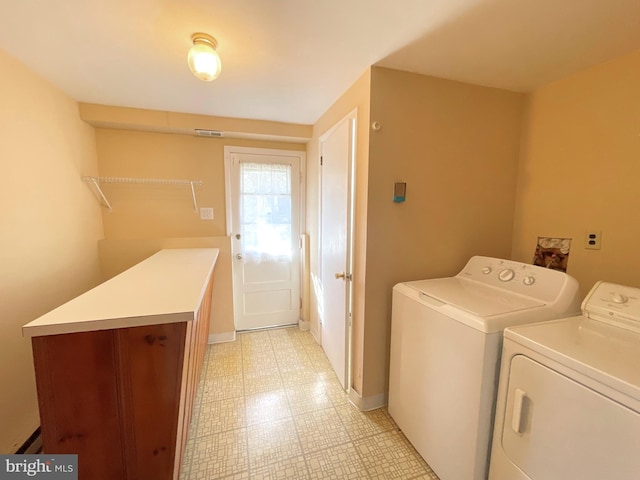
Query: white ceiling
289 60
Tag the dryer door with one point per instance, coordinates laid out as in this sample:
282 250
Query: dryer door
557 429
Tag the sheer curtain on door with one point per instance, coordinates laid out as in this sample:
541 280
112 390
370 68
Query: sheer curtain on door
265 212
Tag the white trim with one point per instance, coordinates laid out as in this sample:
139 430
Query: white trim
221 337
352 114
304 325
316 336
227 189
367 403
351 117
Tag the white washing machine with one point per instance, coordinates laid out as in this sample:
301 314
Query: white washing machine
569 396
446 339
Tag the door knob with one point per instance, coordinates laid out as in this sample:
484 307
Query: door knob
239 256
343 275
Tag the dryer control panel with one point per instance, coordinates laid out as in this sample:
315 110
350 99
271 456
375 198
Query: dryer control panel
533 281
614 304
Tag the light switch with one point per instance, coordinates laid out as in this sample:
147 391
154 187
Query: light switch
206 213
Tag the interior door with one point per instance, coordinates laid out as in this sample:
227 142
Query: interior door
336 204
263 203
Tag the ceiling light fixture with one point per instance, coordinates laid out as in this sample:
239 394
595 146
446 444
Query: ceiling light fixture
203 59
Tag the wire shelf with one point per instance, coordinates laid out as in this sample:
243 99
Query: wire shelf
96 181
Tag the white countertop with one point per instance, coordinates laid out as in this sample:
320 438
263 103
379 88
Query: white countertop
165 288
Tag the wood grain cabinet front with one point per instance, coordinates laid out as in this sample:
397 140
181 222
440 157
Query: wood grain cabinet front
122 398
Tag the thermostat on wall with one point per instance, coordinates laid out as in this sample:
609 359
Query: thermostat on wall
399 192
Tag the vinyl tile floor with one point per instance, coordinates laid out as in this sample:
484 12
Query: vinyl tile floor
269 406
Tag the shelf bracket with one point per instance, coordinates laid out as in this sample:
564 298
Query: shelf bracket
96 184
193 194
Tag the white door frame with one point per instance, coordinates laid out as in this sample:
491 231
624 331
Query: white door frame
351 180
228 152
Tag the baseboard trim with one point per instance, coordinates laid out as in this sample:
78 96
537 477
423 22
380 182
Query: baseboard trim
304 325
32 445
221 337
316 335
364 404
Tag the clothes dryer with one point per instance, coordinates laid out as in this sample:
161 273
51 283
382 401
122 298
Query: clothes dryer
446 339
569 396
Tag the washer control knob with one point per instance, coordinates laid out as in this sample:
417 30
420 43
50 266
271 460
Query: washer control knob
506 275
619 298
486 270
529 280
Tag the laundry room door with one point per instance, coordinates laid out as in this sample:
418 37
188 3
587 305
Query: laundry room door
264 222
337 150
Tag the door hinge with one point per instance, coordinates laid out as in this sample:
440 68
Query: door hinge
321 160
300 304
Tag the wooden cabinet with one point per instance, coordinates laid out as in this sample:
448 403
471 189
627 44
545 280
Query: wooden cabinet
121 396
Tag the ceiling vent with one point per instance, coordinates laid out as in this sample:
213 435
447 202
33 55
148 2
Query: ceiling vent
208 133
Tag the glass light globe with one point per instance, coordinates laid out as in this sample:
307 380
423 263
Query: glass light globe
203 59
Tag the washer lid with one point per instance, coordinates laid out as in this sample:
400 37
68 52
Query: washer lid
606 353
474 297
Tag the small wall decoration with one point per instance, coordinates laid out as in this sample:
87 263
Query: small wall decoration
552 253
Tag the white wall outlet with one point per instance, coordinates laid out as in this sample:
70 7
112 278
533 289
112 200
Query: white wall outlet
206 213
593 239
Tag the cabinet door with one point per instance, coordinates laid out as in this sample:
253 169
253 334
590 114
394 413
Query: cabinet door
80 413
151 369
558 429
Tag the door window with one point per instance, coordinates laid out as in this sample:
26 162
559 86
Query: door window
265 199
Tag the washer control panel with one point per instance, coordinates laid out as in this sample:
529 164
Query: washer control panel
527 279
508 274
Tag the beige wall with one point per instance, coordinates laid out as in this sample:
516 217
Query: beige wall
579 170
356 97
117 255
50 227
125 118
146 218
456 145
148 211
